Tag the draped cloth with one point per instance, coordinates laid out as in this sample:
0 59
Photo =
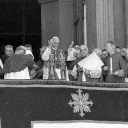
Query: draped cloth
16 66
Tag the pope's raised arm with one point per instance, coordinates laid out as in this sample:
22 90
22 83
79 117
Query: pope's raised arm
45 55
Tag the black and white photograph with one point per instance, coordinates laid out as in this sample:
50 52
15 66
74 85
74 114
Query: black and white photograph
63 63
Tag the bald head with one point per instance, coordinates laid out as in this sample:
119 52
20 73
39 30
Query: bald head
84 50
123 51
56 39
97 51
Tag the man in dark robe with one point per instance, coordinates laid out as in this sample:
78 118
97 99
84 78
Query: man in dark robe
16 66
114 65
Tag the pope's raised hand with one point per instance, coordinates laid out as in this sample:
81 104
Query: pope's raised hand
49 43
71 45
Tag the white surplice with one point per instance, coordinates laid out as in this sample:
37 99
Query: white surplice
24 74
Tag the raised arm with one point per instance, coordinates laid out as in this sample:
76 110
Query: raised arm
45 55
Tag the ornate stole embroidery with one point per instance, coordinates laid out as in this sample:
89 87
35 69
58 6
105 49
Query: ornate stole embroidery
52 66
57 60
62 61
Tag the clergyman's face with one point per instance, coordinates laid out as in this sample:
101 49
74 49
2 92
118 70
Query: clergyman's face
77 54
118 50
123 52
55 45
9 51
84 52
109 48
104 54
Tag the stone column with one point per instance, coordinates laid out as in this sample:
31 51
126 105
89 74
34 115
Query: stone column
119 22
49 20
66 26
91 24
85 25
57 20
104 22
126 18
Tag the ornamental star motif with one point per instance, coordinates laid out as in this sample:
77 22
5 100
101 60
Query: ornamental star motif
80 103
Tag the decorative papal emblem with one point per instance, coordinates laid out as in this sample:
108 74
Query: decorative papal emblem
81 103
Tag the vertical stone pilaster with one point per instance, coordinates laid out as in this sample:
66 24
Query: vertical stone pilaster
65 25
57 20
126 20
43 27
85 25
49 20
91 24
119 23
104 22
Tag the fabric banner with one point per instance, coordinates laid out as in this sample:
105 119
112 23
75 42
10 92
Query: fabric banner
22 104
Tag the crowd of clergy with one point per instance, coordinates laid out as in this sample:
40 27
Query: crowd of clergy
77 63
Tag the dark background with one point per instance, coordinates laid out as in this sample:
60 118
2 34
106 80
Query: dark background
20 23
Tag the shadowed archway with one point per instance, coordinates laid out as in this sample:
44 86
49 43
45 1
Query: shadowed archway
20 23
